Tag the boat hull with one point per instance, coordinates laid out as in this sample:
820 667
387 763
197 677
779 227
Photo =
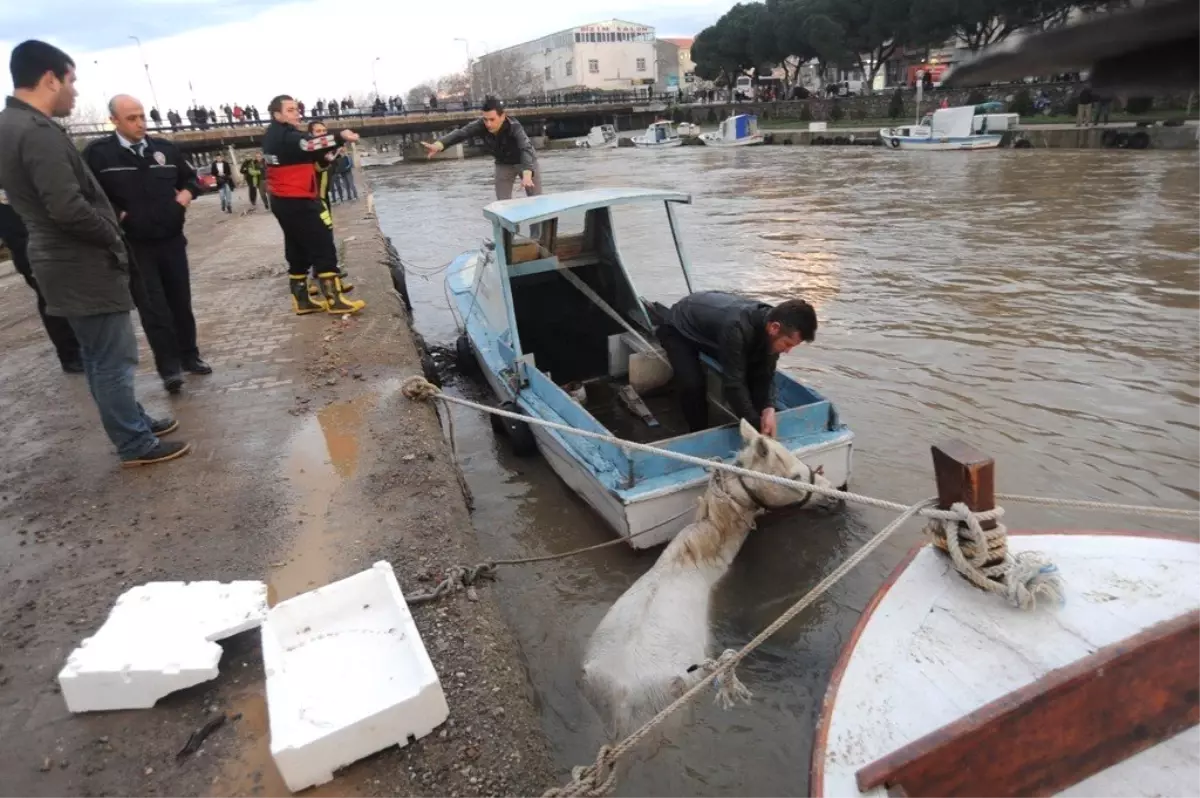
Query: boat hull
713 140
939 144
638 141
931 648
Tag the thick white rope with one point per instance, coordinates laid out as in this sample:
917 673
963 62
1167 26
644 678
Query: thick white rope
421 389
600 777
418 388
983 558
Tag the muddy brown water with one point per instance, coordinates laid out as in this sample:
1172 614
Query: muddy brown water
1040 305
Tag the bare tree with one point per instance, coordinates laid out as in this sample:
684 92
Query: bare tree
507 74
455 85
418 95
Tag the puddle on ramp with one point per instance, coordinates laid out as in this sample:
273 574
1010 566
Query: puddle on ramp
322 456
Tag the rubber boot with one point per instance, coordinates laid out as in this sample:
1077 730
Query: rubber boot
335 302
301 302
315 289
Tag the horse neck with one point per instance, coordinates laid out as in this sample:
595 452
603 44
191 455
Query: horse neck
730 512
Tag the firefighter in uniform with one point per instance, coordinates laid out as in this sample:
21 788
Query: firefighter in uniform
295 201
151 185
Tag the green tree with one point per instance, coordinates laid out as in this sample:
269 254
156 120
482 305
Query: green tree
979 23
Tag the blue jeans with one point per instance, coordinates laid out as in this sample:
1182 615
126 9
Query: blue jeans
348 181
226 197
110 359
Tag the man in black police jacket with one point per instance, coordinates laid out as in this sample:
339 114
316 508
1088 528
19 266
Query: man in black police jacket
746 337
150 185
505 139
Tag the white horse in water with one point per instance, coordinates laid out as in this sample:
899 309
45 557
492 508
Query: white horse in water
638 659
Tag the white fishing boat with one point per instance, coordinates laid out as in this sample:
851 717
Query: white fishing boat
372 159
658 135
967 127
946 689
599 137
736 131
554 324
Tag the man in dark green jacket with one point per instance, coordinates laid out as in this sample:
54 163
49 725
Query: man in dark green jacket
76 248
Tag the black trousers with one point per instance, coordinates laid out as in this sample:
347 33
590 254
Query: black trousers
253 188
162 290
57 328
689 379
307 241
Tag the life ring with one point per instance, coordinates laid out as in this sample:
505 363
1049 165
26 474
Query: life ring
894 142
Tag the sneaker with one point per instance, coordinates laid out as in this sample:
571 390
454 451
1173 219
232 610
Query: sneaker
164 451
173 383
72 366
197 366
163 426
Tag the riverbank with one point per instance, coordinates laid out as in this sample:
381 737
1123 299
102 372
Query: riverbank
308 466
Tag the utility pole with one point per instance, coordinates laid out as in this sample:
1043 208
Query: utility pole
146 64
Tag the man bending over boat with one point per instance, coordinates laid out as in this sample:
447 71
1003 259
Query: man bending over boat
505 139
746 337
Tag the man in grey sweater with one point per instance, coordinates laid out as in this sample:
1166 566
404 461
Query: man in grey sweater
505 139
78 254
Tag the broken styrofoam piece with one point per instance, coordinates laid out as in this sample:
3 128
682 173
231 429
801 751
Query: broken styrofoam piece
347 676
158 638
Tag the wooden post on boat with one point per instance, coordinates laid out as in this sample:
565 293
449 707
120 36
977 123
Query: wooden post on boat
965 474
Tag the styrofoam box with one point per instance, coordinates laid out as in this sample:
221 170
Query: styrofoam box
347 675
158 638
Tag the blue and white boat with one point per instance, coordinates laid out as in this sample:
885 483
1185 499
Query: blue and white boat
556 327
964 127
740 130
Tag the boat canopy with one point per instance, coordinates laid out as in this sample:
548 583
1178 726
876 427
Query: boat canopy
510 214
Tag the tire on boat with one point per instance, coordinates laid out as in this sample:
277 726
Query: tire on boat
1123 140
1022 144
1139 140
1108 138
465 357
520 434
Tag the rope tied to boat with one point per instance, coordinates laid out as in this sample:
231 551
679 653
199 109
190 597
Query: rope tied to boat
594 780
982 557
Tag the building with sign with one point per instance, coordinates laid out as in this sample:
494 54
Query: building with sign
603 56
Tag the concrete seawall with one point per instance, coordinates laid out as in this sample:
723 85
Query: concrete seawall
308 465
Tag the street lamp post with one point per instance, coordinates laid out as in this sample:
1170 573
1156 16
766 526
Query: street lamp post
146 64
374 79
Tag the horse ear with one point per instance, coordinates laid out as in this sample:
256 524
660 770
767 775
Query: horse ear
749 433
761 447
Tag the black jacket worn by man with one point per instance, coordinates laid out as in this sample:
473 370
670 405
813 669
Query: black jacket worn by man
509 145
75 245
732 330
223 176
144 187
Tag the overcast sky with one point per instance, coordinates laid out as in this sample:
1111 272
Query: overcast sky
246 51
